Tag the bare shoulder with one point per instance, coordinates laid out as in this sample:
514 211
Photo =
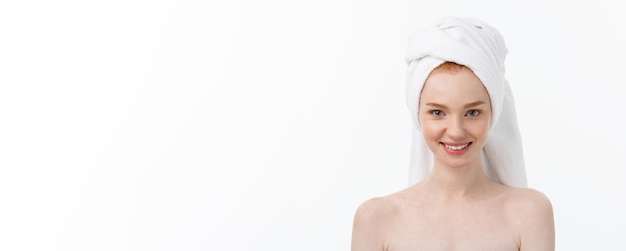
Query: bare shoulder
372 222
376 211
529 201
533 212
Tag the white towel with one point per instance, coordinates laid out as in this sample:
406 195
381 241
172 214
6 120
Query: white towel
480 47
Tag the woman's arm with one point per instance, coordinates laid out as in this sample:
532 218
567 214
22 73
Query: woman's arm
537 223
367 229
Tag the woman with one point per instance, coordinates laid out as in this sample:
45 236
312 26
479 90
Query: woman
467 172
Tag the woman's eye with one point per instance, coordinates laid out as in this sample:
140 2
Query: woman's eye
473 113
436 112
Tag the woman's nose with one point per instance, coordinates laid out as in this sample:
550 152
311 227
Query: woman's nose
456 128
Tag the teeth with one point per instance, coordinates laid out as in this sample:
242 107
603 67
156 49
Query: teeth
456 148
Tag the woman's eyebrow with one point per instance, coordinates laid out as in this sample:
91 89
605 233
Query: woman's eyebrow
475 103
437 105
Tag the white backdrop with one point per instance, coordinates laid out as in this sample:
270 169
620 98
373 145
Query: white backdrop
262 125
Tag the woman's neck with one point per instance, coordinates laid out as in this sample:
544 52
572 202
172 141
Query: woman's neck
453 183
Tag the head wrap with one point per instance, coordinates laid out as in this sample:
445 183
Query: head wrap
481 48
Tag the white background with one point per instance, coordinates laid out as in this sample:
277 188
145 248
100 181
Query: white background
262 125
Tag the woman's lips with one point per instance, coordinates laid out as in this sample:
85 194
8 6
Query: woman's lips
456 148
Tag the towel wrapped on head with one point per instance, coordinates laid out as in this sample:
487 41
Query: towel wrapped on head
481 48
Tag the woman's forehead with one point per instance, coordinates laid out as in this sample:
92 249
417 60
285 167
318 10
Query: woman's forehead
453 87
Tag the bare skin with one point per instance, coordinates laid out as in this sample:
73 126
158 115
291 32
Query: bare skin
456 207
418 218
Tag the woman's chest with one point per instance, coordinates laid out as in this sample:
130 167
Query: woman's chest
454 228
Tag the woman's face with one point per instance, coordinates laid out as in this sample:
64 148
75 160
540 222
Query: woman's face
455 112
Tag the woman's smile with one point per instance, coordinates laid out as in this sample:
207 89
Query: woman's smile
456 148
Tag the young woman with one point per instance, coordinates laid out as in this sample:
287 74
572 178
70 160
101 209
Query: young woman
467 175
